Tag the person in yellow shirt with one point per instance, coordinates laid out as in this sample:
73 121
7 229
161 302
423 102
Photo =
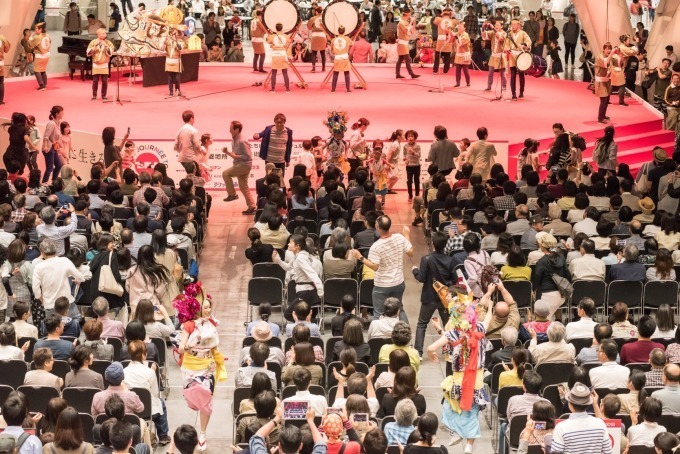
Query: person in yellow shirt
514 376
516 269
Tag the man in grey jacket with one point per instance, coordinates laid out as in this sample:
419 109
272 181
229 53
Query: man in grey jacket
443 151
570 32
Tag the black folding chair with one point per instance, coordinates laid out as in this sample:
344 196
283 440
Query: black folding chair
28 354
501 407
597 290
379 369
290 391
553 373
80 398
581 343
330 346
334 290
117 346
602 392
521 292
87 422
552 393
265 290
628 292
376 344
14 371
273 342
660 292
366 295
337 365
269 269
38 396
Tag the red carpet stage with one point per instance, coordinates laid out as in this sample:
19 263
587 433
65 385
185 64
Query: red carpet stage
226 92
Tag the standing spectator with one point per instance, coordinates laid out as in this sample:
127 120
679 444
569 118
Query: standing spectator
188 141
108 257
277 143
385 257
211 29
242 165
605 152
443 151
482 154
51 277
72 20
56 234
361 51
571 32
532 28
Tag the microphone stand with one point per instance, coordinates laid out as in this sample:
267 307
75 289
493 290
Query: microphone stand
117 100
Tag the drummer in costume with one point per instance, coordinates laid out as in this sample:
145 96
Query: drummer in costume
257 32
445 26
603 84
100 50
340 48
463 55
518 41
4 48
40 43
318 38
173 60
618 62
405 29
497 62
279 43
464 342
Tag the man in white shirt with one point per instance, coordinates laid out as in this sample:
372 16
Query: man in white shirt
382 328
583 328
386 258
51 276
188 141
610 374
589 223
54 233
301 379
587 267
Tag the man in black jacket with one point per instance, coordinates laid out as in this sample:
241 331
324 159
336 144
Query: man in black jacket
375 21
439 266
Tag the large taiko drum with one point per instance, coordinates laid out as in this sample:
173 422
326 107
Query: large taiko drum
340 13
524 61
281 11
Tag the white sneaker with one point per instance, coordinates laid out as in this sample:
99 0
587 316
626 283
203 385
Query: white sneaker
455 439
202 443
468 449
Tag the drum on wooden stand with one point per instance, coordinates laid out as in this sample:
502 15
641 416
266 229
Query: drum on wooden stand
341 13
539 66
524 61
281 11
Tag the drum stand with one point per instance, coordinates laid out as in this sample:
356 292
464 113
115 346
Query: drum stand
362 81
302 84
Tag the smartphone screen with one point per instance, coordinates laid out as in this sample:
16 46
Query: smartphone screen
539 425
295 409
361 421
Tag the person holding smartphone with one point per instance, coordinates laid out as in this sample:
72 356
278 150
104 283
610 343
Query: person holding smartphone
289 439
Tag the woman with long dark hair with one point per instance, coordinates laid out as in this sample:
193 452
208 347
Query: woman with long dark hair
560 151
303 198
303 356
428 424
167 258
155 319
147 279
113 159
258 252
107 256
404 387
19 139
52 143
605 152
68 435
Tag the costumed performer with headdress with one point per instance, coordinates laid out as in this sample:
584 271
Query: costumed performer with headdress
465 344
202 364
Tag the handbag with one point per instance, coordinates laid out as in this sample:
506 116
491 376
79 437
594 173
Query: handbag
107 282
563 285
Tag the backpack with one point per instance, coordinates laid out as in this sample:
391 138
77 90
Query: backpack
488 275
600 153
9 444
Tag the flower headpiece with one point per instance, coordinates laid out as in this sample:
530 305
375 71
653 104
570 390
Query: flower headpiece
336 121
189 304
460 303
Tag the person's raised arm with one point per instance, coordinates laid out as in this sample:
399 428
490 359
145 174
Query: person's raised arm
488 300
406 232
357 255
370 390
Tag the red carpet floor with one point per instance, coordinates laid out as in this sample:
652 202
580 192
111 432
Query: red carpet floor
225 93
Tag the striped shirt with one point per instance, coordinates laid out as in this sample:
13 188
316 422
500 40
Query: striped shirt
277 146
581 434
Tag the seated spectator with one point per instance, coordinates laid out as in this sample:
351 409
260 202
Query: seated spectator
265 407
500 255
589 223
529 236
668 237
523 404
514 375
302 379
657 359
259 353
604 229
643 434
149 314
404 387
663 267
333 426
505 313
353 336
670 394
590 428
665 322
398 431
521 225
497 225
348 307
638 351
42 376
61 349
15 413
583 328
648 253
384 326
541 411
120 435
265 311
556 225
290 438
539 323
398 359
136 331
139 375
110 327
81 376
631 401
516 268
401 339
100 349
301 333
576 214
22 312
587 267
601 332
427 428
609 374
262 333
8 343
302 357
556 350
341 264
48 424
621 326
358 385
68 435
258 252
71 325
665 443
302 314
629 269
647 206
615 251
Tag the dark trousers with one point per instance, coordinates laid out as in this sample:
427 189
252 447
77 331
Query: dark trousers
323 59
538 50
621 93
2 88
308 296
335 80
173 81
353 164
426 312
105 84
279 165
285 78
72 33
259 66
513 81
52 165
447 61
412 176
127 3
465 69
42 79
569 49
402 59
602 112
32 160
